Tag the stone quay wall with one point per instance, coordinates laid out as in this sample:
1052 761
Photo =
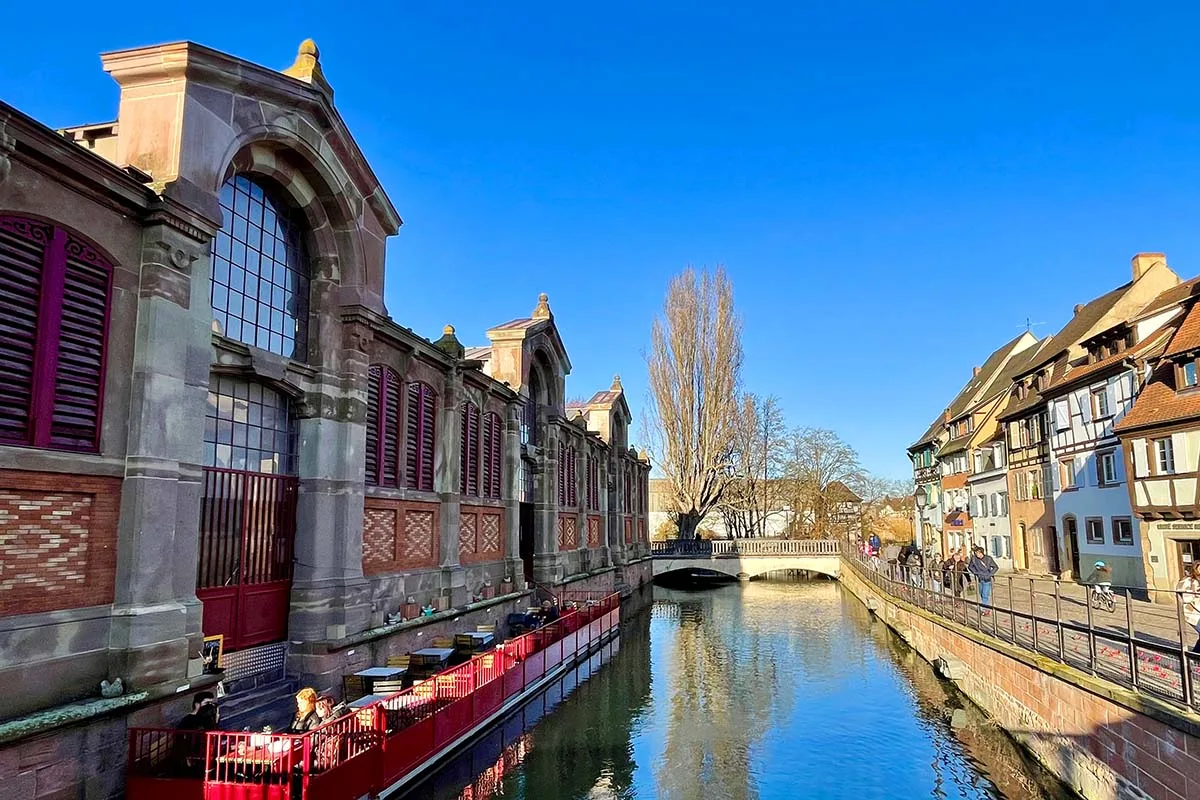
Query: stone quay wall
1103 740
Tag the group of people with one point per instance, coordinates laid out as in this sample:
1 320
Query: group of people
312 710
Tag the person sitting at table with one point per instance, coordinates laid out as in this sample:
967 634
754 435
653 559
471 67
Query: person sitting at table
205 714
327 709
549 612
306 711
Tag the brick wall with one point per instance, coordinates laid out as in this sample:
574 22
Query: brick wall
568 532
480 534
1101 739
58 541
399 535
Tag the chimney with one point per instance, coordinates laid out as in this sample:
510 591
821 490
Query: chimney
975 371
1142 263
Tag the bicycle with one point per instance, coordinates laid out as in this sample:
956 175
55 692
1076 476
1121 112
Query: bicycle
1102 597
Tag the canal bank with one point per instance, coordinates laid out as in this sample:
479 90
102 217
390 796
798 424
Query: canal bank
1099 738
757 691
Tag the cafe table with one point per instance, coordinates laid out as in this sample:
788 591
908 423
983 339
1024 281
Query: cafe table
434 655
372 674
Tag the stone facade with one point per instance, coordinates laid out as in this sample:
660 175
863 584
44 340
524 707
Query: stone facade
246 370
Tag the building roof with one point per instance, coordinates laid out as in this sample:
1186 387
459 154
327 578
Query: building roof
955 445
979 382
478 353
841 492
1187 335
1150 347
930 436
1159 403
1077 328
1173 296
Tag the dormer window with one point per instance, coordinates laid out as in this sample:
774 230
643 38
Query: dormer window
1185 374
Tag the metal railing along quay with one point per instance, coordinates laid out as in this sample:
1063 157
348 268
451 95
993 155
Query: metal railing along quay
373 746
1142 645
715 548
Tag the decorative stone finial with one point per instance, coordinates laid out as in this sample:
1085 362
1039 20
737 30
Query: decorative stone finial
643 456
616 384
307 67
543 307
449 343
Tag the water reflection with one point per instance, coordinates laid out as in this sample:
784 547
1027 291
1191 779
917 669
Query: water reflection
766 690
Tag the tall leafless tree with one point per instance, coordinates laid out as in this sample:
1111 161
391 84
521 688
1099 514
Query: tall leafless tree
756 495
695 365
819 463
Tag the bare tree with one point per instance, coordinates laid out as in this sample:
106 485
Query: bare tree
755 495
821 470
695 365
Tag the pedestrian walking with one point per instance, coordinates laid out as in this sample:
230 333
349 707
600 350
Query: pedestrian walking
984 568
1189 595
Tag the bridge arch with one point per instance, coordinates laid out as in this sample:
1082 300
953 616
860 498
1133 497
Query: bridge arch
749 566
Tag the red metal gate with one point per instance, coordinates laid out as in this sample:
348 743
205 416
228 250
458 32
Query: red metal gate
247 530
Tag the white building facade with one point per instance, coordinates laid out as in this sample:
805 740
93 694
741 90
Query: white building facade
988 490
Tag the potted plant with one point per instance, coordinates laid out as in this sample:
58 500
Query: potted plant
506 585
411 609
489 591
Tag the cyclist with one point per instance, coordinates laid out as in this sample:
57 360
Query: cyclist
1100 579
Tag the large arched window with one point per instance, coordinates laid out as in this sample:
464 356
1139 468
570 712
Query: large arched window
259 271
383 427
420 436
54 295
248 427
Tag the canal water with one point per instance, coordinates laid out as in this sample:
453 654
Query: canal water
760 691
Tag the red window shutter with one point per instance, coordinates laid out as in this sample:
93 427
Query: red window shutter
572 482
420 436
562 474
468 479
22 243
389 433
54 295
78 384
428 436
494 457
412 437
374 377
485 456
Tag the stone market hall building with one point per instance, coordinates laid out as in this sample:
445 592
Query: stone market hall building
209 423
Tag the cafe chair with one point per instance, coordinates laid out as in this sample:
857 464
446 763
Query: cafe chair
353 687
486 628
387 686
441 641
400 662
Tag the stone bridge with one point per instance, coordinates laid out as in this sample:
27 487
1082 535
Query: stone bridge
746 558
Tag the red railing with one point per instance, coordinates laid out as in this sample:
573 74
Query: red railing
373 747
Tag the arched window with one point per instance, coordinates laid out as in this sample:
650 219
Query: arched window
383 427
54 296
468 478
248 427
259 271
493 435
529 425
420 436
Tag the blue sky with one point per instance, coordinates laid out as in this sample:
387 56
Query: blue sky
894 187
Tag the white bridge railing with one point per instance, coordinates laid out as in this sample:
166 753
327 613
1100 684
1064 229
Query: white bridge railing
745 547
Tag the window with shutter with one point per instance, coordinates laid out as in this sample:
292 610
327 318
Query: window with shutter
469 451
383 427
572 482
420 436
492 462
562 473
54 298
374 378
